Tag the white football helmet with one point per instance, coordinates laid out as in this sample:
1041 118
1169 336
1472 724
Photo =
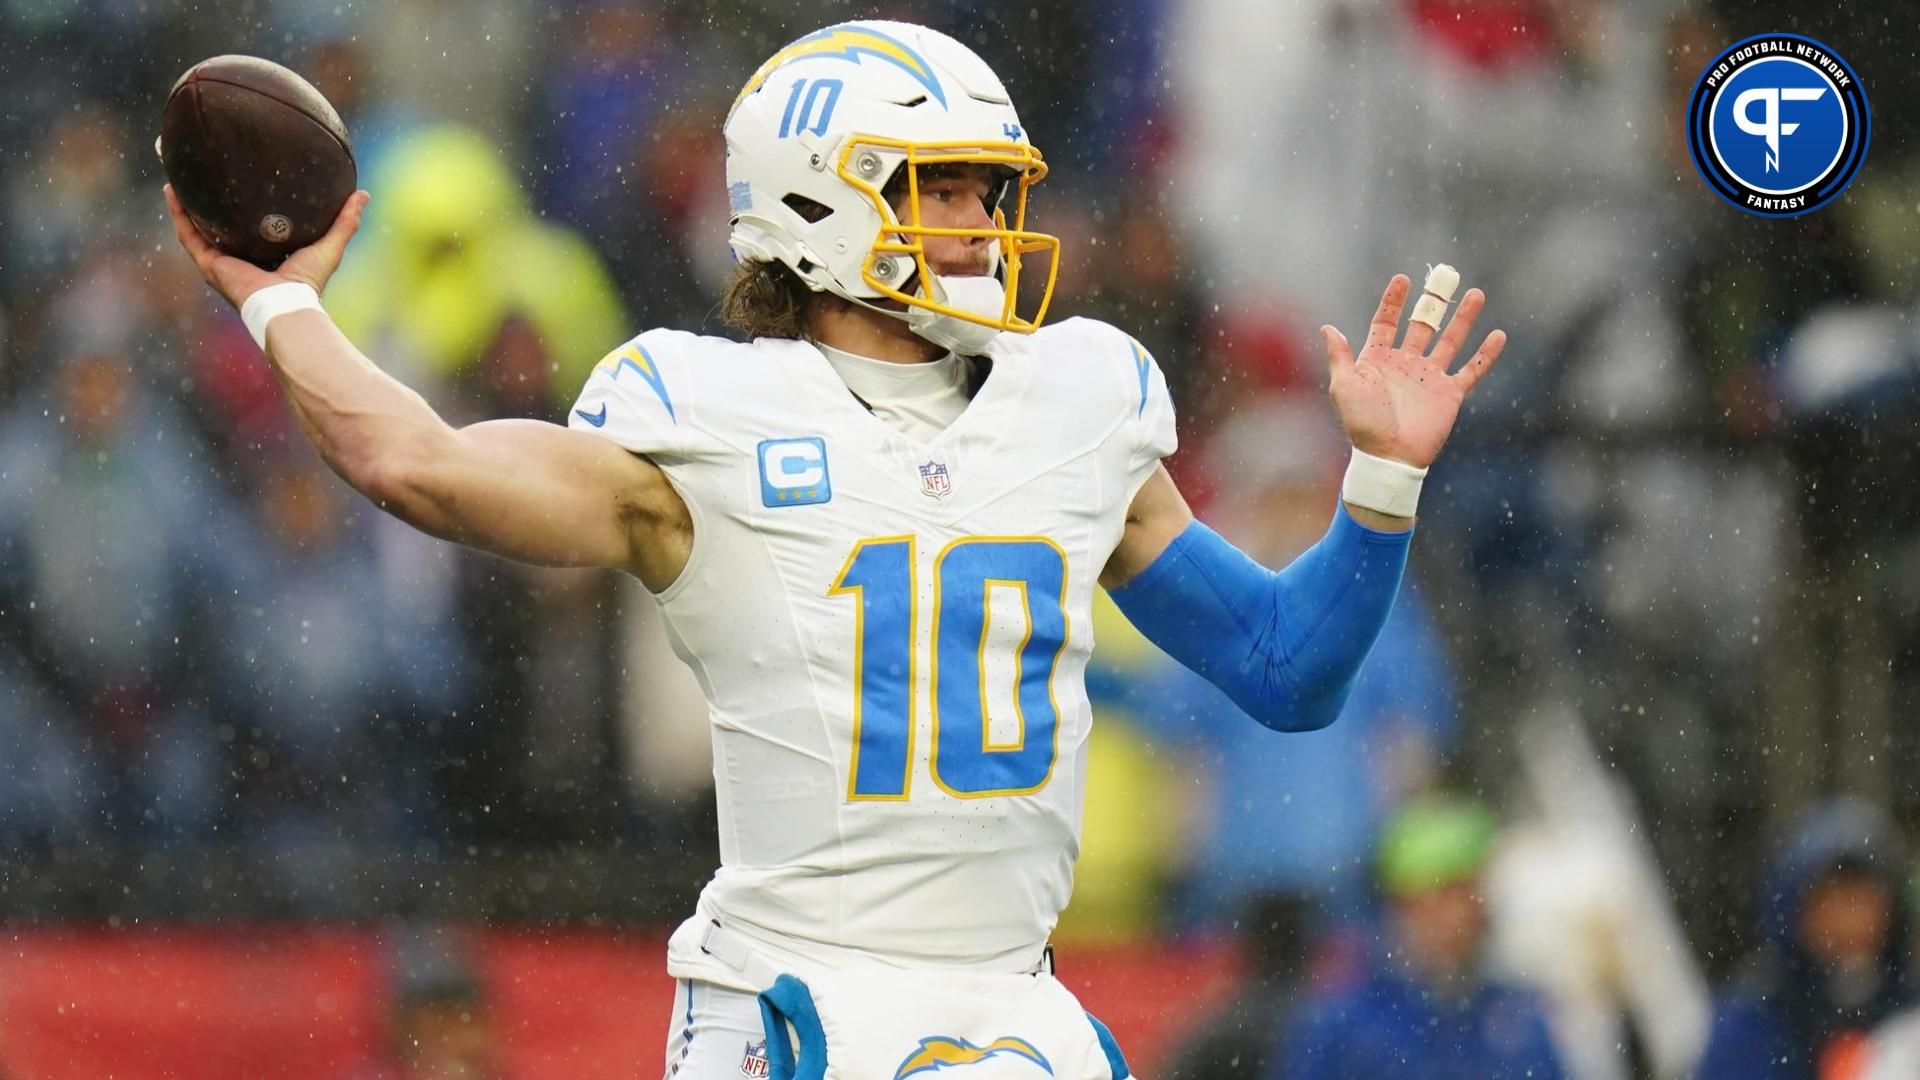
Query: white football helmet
821 129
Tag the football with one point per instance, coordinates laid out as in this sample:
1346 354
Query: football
256 155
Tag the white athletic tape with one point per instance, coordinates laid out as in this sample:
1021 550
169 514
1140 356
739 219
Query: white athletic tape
1441 281
275 300
1429 310
1436 294
1377 483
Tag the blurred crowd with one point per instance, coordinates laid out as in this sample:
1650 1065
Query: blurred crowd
1665 603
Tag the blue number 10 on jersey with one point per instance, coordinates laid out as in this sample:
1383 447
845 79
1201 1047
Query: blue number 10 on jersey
973 577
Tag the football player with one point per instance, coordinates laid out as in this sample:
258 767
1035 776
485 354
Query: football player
875 532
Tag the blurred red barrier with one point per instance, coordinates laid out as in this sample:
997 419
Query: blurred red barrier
307 1003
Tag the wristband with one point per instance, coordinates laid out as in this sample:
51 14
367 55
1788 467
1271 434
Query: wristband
265 304
1376 483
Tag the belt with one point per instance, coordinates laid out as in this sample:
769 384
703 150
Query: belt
737 953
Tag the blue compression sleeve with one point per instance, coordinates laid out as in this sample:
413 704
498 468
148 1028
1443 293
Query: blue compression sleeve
1285 646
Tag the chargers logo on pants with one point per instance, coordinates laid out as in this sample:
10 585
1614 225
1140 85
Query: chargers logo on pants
938 1052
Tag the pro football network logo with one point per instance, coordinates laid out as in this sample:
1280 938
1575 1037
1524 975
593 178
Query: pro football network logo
1778 125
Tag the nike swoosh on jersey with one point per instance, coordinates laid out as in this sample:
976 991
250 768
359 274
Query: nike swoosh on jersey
598 419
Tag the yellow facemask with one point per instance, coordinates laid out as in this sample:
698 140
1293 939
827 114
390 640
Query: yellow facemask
862 168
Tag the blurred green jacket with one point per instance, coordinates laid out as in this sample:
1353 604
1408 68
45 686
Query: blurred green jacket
452 250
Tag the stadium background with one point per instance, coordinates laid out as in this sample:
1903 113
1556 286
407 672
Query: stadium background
269 763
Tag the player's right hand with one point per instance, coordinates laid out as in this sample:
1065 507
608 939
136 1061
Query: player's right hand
237 279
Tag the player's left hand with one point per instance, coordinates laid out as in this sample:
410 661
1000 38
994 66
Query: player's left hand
1400 403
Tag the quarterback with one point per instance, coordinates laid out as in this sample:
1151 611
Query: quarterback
875 532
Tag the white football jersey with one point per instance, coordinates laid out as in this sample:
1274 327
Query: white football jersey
892 635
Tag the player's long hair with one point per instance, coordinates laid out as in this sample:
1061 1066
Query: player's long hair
766 299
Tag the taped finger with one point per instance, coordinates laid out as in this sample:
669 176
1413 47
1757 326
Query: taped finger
1429 310
1435 294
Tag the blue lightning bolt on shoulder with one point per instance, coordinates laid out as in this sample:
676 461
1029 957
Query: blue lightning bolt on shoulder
634 358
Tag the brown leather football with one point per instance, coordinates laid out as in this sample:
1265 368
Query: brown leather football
256 155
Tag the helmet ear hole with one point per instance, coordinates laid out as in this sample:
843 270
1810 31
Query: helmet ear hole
810 210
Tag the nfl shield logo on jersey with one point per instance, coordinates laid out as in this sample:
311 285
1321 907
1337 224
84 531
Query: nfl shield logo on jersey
754 1062
934 482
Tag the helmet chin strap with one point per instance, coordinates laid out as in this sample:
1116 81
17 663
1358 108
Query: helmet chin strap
977 294
981 294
